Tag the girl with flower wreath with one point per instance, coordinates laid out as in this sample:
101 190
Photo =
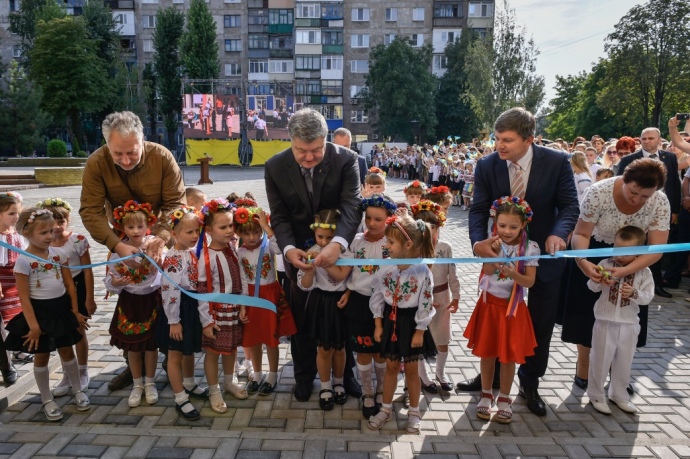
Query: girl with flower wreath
414 192
262 326
133 326
220 272
76 247
440 195
50 318
446 296
374 182
500 326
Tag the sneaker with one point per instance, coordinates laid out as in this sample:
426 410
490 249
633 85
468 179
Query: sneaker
151 393
82 401
135 396
121 381
62 388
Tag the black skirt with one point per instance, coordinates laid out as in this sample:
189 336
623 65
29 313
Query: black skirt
59 326
405 327
191 328
80 285
325 320
360 325
133 327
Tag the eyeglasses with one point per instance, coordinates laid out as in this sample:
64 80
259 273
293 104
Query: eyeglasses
611 153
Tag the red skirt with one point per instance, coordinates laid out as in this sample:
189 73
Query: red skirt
491 334
10 305
264 326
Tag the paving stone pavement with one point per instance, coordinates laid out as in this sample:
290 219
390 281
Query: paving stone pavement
278 426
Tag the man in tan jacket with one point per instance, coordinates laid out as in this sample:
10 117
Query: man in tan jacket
127 168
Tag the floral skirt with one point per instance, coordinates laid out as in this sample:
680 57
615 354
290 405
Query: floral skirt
360 325
133 326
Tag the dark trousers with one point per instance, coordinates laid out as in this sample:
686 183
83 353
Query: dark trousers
5 363
679 260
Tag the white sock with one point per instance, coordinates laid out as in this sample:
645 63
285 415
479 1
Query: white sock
441 358
42 378
365 376
272 378
380 369
326 385
72 370
181 398
214 389
339 382
83 368
484 401
137 382
189 383
423 374
257 376
148 380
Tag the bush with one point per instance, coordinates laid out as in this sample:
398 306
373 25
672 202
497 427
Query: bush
81 154
57 149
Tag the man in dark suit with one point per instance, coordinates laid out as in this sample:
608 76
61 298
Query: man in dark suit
650 141
310 176
343 137
547 180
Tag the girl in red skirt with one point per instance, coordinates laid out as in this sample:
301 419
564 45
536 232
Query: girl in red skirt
262 326
500 326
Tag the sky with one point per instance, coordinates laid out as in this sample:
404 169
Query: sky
570 34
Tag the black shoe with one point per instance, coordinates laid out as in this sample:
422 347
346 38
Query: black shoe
339 397
303 390
121 381
203 395
9 375
266 388
667 284
253 386
369 411
660 291
352 387
430 388
630 389
475 384
581 382
191 416
534 401
327 403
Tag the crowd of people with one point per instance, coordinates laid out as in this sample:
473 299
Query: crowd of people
536 197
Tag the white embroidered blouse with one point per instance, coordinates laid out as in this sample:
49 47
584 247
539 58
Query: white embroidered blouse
181 266
412 287
361 276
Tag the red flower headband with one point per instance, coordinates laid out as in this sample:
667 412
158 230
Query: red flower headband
425 204
376 170
439 190
245 202
513 201
133 206
415 184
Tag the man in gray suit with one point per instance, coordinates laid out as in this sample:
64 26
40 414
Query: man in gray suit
310 176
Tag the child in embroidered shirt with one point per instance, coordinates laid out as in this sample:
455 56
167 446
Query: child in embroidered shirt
133 327
50 318
219 271
402 307
355 300
179 332
500 326
616 326
446 295
262 326
76 247
324 316
414 191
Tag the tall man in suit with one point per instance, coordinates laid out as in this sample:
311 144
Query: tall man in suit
650 140
544 178
343 137
310 176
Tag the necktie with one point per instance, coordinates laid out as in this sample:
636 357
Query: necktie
653 156
518 183
308 181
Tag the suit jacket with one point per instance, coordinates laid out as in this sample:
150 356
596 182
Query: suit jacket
336 186
362 164
672 185
550 192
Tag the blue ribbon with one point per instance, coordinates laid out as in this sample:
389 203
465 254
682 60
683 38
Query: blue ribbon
257 281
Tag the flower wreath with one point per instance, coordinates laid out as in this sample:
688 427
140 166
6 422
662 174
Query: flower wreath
244 215
214 205
513 201
426 205
378 200
376 170
415 184
37 213
315 225
133 206
12 194
54 202
245 202
439 190
178 214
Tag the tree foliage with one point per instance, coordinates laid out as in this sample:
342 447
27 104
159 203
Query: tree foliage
166 40
400 89
149 81
23 21
22 121
199 45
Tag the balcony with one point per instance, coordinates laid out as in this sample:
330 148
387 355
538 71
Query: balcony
257 28
332 49
120 4
455 22
280 28
307 22
280 53
257 3
260 53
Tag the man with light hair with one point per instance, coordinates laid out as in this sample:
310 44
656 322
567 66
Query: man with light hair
343 137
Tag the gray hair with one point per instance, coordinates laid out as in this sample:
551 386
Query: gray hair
516 119
307 125
651 129
125 123
342 132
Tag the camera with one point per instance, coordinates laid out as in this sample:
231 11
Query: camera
683 116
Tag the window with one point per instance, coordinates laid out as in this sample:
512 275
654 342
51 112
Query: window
149 1
308 10
481 10
258 66
359 116
308 87
332 11
231 20
482 33
178 1
330 112
13 5
281 66
331 62
257 17
332 37
120 19
417 40
447 10
234 45
280 16
233 1
440 62
448 37
332 87
257 41
309 37
148 21
360 14
233 70
281 42
359 41
388 38
16 51
391 14
148 46
308 62
359 66
417 14
355 89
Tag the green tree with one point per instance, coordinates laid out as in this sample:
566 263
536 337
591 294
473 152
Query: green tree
22 121
23 21
649 54
63 62
166 40
400 89
148 77
565 107
199 44
454 107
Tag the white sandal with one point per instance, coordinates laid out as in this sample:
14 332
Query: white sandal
217 403
237 391
377 421
414 422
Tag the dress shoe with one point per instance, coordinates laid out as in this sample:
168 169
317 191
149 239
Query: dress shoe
475 385
431 388
667 284
9 375
660 291
303 390
352 387
121 381
534 401
628 406
601 407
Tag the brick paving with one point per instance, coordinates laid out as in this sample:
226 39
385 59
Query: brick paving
278 426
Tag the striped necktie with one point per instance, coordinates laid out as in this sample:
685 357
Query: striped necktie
518 183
